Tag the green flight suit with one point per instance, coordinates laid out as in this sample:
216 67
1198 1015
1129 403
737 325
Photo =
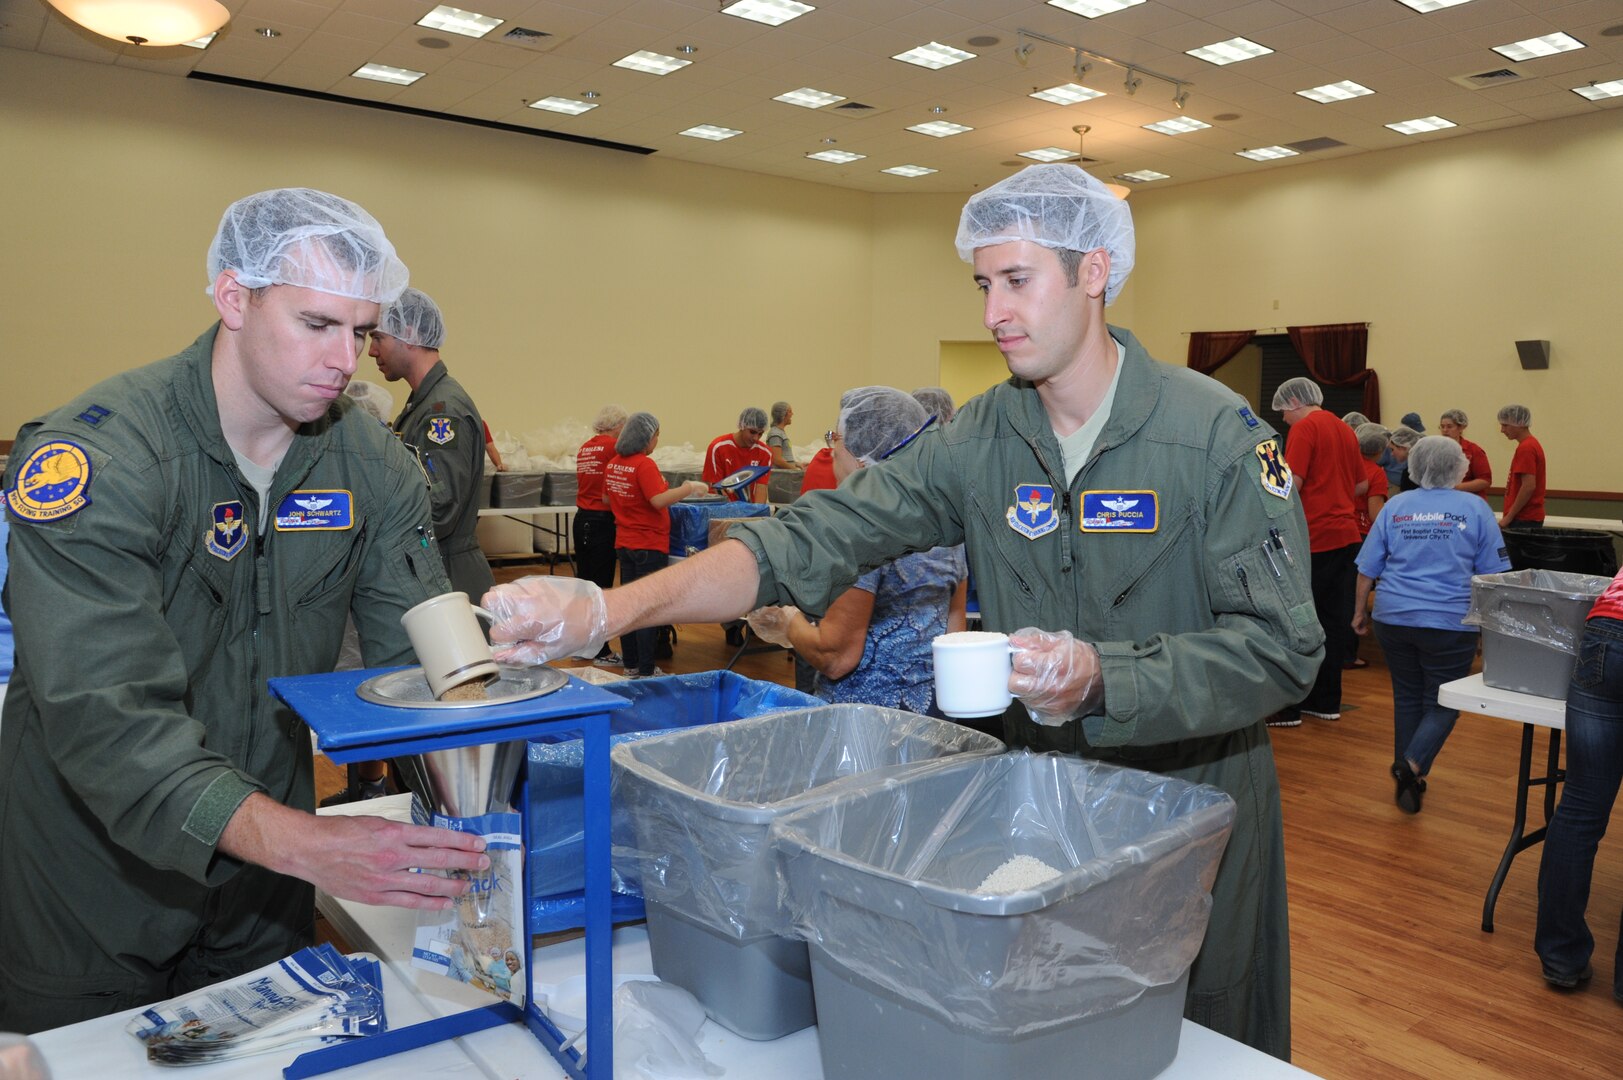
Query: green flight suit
1199 637
137 720
441 424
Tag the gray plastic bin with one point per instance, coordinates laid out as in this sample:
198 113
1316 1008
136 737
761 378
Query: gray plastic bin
559 489
1531 623
516 490
919 975
693 811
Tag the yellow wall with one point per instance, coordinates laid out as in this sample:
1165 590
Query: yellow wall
572 275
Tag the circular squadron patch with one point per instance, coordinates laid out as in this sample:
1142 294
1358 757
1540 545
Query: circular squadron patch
52 483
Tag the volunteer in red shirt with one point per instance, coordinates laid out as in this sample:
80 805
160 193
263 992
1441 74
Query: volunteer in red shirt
1524 487
738 449
820 469
1478 470
594 521
1326 466
638 496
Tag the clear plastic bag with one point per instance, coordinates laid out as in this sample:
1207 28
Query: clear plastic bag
1547 607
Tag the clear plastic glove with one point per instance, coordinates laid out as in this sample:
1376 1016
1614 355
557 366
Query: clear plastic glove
694 488
771 624
544 618
1055 676
20 1059
656 1033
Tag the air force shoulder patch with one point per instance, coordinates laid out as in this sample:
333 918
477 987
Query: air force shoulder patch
227 533
1275 475
1032 514
441 430
53 483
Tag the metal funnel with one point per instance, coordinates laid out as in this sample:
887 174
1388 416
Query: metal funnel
471 780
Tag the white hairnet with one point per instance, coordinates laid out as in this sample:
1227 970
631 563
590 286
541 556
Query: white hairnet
1405 437
1356 420
1437 462
639 430
297 236
1516 416
1057 206
608 418
415 319
780 409
936 401
752 417
1297 393
1372 438
874 420
371 397
1457 416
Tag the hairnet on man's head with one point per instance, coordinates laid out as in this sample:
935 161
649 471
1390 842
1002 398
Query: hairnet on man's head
936 401
415 319
1297 393
1456 416
298 236
874 420
371 397
608 418
1356 420
1372 439
780 410
1406 437
639 431
1437 462
752 417
1412 420
1516 416
1057 206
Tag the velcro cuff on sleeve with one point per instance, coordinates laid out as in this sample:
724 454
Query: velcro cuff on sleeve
1119 722
216 805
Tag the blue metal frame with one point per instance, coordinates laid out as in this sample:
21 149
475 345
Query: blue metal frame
350 729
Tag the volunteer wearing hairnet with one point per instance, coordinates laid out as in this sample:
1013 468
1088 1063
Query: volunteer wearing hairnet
1424 548
1524 483
441 425
777 439
1478 471
937 402
1403 440
179 534
734 450
873 645
1138 513
593 526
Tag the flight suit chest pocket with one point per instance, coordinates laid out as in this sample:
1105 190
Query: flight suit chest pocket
326 565
1261 583
202 595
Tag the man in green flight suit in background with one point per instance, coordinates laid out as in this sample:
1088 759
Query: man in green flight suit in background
441 424
1137 513
179 534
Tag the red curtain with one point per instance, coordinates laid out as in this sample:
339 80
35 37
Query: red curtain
1210 350
1335 355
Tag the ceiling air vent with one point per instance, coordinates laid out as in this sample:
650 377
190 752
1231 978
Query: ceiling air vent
528 39
1498 77
1307 146
853 106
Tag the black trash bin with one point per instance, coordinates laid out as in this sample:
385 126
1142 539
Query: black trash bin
1574 551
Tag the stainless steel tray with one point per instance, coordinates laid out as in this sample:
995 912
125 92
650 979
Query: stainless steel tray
409 689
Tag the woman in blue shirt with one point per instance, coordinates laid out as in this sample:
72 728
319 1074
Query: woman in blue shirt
873 645
1425 547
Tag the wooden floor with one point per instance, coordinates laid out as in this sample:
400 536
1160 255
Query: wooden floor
1392 974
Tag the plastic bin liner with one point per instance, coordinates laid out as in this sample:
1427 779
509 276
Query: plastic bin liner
518 489
560 489
882 879
1547 607
697 803
557 832
690 522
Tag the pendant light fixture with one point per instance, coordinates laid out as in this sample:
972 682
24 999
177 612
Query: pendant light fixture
1120 191
146 22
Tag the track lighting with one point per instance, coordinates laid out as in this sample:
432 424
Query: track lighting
1132 84
1083 60
1180 97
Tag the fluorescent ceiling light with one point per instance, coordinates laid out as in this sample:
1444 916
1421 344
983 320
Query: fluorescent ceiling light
385 73
807 98
202 42
934 56
565 105
1425 6
1533 48
652 62
713 132
1344 90
1231 51
908 170
1267 153
1599 91
1178 125
940 128
1049 153
1424 123
1142 176
770 12
456 21
1092 9
836 157
1067 94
